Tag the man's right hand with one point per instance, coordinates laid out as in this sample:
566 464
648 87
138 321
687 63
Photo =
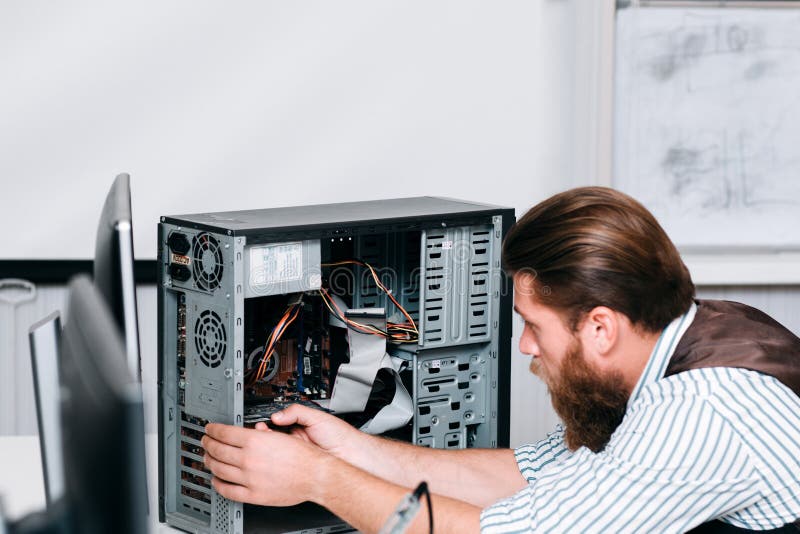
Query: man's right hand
478 476
324 430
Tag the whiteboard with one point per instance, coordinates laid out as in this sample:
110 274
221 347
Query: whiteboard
707 122
214 106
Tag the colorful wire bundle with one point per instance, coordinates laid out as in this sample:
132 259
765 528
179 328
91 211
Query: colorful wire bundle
287 319
397 332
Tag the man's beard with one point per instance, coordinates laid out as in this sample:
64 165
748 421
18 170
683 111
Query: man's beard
590 405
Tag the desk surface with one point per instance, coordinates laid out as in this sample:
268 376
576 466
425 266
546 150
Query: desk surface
22 483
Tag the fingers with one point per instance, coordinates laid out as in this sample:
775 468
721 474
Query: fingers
234 492
221 451
296 414
232 435
261 427
300 432
226 472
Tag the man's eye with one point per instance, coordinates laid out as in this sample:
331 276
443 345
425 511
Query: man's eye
525 324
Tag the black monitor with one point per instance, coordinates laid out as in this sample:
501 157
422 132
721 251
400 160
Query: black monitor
102 420
113 266
45 338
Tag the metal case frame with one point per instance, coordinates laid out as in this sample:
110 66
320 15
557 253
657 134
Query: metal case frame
460 370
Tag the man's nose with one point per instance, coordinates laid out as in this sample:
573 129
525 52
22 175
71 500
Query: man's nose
527 344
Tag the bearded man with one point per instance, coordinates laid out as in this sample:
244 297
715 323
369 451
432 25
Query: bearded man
678 414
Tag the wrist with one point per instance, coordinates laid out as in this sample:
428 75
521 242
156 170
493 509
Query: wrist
328 470
355 449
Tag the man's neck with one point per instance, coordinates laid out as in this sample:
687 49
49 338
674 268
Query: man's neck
637 348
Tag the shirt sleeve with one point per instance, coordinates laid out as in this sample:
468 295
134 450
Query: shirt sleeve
533 458
669 466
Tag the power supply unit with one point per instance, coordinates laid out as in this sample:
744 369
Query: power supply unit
263 308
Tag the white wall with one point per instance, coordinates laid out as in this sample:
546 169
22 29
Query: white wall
251 104
215 106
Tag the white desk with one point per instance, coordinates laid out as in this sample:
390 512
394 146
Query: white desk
22 483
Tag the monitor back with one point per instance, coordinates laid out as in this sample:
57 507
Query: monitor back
45 340
102 420
114 266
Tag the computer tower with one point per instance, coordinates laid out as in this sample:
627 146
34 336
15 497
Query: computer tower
427 270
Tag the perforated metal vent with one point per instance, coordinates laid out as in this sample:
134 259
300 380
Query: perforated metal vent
222 513
210 339
207 261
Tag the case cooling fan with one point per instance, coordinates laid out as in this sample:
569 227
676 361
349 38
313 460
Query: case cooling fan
207 261
210 339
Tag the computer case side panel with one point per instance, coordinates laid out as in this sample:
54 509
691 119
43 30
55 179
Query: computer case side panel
161 405
504 340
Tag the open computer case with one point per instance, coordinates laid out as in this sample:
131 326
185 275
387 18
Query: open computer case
261 308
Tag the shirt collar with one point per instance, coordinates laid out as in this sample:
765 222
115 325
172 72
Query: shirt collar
659 359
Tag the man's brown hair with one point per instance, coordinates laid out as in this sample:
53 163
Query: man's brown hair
595 246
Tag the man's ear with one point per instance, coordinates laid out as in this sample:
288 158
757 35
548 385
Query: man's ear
600 331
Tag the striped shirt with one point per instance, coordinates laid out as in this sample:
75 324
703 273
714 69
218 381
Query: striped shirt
698 445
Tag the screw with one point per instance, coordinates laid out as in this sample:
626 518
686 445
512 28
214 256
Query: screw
434 420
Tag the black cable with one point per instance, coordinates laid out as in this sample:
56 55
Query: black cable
422 489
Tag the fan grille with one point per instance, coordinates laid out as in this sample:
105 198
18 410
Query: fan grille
207 261
210 339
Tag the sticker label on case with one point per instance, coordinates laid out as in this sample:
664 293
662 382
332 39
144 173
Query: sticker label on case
273 264
177 258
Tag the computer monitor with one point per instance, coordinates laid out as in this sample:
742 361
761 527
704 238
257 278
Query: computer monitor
113 266
102 420
45 338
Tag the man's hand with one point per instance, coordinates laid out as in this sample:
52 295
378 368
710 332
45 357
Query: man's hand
264 467
324 430
260 466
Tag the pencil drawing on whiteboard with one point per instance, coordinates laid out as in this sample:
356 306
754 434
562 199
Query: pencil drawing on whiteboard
707 122
723 174
688 45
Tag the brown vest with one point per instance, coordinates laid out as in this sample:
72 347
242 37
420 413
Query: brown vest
729 334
